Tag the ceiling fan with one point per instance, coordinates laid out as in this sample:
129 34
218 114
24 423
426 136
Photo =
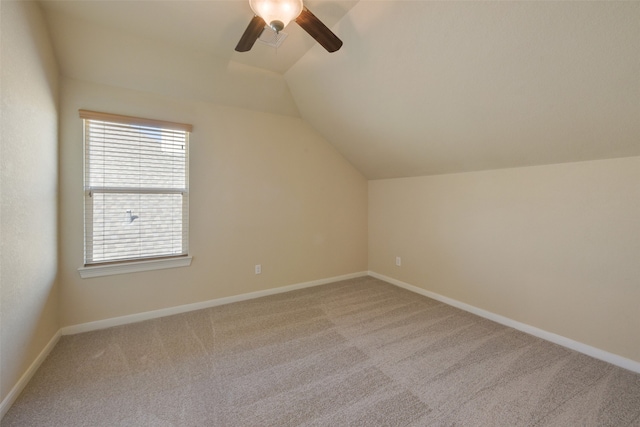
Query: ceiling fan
277 14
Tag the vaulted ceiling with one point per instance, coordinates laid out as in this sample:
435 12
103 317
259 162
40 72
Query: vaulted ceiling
419 87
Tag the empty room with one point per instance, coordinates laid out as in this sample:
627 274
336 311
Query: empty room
358 213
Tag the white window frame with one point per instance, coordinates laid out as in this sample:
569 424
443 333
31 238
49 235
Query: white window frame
143 263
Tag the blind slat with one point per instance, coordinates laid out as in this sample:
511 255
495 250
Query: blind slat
135 190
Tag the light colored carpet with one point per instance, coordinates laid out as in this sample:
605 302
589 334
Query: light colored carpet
359 352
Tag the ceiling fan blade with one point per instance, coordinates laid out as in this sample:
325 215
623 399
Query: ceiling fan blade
251 34
318 30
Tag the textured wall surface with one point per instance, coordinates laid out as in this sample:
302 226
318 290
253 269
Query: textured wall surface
29 191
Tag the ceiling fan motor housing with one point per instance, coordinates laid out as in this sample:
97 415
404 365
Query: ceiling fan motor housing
276 25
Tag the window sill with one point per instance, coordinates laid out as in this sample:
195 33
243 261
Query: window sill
133 267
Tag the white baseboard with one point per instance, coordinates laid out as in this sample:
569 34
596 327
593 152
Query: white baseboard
139 317
24 379
594 352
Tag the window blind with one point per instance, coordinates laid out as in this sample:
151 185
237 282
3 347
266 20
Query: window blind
136 188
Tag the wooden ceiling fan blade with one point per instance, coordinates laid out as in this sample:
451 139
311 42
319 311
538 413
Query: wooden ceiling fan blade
251 34
318 30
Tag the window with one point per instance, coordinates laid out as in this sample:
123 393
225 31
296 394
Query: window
136 190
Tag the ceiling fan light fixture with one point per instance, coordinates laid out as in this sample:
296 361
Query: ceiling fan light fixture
277 13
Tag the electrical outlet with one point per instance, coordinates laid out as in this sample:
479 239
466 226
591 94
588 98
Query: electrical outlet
398 261
258 268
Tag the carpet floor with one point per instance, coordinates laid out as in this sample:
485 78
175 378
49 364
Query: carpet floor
359 352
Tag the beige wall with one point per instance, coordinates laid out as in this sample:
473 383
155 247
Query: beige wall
29 154
556 247
265 189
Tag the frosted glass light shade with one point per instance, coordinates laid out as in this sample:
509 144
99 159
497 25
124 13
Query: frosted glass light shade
277 13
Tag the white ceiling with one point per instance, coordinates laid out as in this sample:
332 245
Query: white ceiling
419 87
